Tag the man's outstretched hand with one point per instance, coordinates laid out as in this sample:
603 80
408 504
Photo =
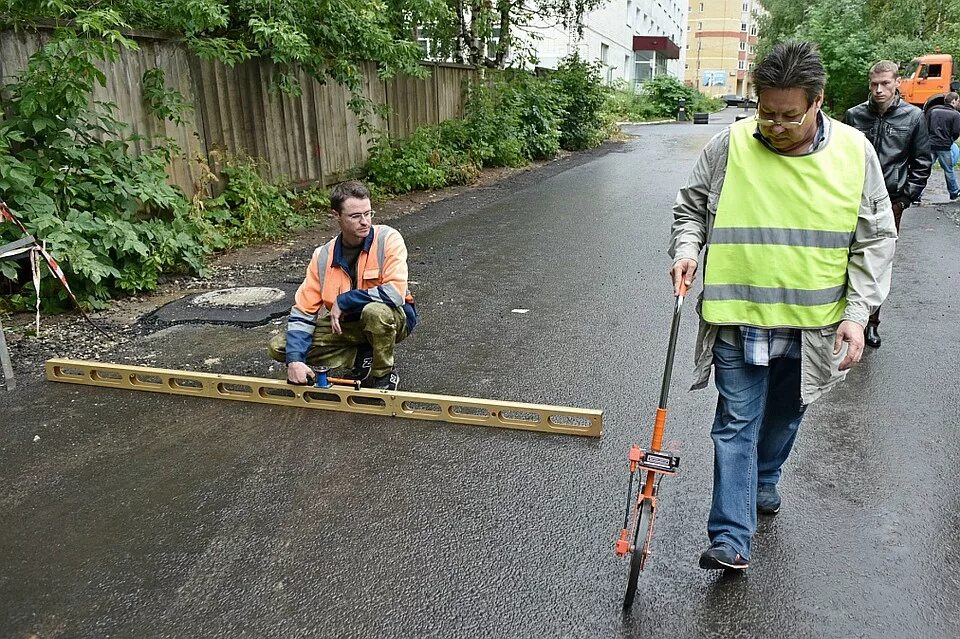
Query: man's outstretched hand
300 374
851 333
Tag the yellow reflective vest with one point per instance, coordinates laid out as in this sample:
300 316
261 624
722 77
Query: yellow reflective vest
784 225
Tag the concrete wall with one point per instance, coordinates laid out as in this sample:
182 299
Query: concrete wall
307 138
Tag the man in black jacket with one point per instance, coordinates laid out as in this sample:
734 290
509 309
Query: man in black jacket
944 122
898 131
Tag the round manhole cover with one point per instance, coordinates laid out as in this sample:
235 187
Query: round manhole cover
242 296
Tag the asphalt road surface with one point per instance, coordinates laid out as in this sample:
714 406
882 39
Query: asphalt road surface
139 515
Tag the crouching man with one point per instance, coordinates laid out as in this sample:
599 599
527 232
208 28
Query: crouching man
353 307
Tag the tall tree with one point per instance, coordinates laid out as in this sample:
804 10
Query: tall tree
495 33
839 29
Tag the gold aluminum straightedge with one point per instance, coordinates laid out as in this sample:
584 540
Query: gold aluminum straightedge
445 408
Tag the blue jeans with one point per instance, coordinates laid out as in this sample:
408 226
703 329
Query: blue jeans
758 414
945 159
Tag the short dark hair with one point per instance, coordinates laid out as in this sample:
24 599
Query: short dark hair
346 190
792 65
950 97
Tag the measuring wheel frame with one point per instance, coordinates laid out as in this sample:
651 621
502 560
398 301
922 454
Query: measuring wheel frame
654 463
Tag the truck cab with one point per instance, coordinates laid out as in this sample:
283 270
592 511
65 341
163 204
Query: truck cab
927 78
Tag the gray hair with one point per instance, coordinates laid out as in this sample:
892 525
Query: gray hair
885 66
792 65
346 190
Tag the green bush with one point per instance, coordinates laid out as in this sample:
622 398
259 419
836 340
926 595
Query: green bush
583 124
67 170
429 159
664 93
511 118
625 104
251 209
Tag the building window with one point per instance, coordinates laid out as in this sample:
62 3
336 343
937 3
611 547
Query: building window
743 26
743 46
741 65
701 7
604 53
699 26
492 42
630 13
753 30
746 7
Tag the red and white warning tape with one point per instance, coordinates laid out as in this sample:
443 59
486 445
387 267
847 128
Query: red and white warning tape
6 215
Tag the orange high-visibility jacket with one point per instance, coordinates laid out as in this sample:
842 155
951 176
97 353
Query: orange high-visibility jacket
381 277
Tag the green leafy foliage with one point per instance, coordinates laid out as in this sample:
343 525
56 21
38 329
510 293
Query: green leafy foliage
252 209
658 98
326 40
852 34
431 158
66 169
511 119
838 29
583 125
486 33
166 104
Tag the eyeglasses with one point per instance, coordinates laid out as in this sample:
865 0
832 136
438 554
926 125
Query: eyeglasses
786 125
356 217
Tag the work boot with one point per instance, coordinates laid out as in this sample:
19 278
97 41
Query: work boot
768 499
872 336
722 557
363 362
390 381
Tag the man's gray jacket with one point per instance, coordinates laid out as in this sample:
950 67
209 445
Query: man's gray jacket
902 142
868 269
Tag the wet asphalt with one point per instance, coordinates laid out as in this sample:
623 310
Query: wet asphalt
141 515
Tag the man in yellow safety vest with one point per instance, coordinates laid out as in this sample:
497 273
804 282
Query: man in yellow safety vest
792 214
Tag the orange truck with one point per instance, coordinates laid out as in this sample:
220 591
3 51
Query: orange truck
926 79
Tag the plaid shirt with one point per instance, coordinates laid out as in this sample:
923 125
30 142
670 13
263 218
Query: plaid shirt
760 345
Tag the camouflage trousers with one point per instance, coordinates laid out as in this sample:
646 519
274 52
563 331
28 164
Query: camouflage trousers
379 327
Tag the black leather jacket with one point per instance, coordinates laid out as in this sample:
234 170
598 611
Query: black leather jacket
903 145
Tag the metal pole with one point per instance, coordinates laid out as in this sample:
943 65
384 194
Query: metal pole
5 362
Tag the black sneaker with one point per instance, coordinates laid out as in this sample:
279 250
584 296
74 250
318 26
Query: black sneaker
768 499
390 381
722 557
363 362
872 336
954 196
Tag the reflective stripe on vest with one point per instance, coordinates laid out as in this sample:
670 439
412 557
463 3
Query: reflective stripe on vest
784 225
323 257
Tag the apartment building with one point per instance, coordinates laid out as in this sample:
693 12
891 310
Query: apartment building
721 46
633 39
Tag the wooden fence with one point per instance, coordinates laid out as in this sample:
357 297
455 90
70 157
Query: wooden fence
308 138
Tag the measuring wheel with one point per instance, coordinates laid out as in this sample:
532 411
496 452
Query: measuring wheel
641 548
652 464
